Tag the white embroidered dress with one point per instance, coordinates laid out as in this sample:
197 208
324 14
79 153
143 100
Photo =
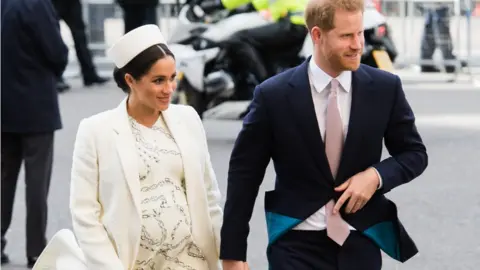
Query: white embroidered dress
166 240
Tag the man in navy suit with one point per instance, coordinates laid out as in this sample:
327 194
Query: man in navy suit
33 57
323 124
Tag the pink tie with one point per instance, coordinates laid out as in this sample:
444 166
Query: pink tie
337 228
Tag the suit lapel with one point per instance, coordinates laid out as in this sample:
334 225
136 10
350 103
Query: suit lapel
125 144
300 98
361 81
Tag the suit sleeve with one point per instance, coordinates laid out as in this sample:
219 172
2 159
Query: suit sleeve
249 160
211 185
408 153
44 23
85 208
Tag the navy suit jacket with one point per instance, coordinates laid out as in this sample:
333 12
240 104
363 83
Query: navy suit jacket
281 125
33 57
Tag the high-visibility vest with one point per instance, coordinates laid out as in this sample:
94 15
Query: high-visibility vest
293 9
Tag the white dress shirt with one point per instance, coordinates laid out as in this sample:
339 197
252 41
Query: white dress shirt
319 84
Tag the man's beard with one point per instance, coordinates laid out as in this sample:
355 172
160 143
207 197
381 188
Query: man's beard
341 64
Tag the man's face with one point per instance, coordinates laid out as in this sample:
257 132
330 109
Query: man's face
343 46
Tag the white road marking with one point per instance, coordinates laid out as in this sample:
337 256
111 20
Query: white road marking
463 121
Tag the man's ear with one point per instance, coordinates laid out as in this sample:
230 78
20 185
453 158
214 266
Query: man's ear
316 34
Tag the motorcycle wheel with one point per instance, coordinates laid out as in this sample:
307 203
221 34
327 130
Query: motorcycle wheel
186 94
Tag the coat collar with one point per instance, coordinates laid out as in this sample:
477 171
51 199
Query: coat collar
321 79
125 144
179 121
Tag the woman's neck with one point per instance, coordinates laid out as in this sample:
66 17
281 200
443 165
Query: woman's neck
141 113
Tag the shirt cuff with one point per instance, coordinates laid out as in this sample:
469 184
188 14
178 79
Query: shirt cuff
380 181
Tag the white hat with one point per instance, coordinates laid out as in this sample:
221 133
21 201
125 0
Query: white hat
135 42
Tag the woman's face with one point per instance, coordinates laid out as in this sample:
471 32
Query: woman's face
155 88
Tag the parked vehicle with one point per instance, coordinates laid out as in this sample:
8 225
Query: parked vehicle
209 79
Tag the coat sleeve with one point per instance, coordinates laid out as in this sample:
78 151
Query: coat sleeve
408 153
85 207
45 28
213 197
211 186
248 163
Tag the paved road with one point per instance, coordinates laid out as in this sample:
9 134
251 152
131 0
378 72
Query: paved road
441 209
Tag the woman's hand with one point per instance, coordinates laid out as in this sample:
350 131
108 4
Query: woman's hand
235 265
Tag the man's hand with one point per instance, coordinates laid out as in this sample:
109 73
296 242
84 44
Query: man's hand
359 188
235 265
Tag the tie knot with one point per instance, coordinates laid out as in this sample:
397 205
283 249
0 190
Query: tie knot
334 84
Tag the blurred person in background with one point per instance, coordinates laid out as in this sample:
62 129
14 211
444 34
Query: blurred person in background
70 11
138 12
33 57
436 34
287 29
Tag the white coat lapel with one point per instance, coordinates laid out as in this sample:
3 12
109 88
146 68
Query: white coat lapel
125 143
187 148
192 164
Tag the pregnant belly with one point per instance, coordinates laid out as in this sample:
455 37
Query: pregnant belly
167 231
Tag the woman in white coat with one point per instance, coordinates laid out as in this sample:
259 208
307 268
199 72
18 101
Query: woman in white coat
143 192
